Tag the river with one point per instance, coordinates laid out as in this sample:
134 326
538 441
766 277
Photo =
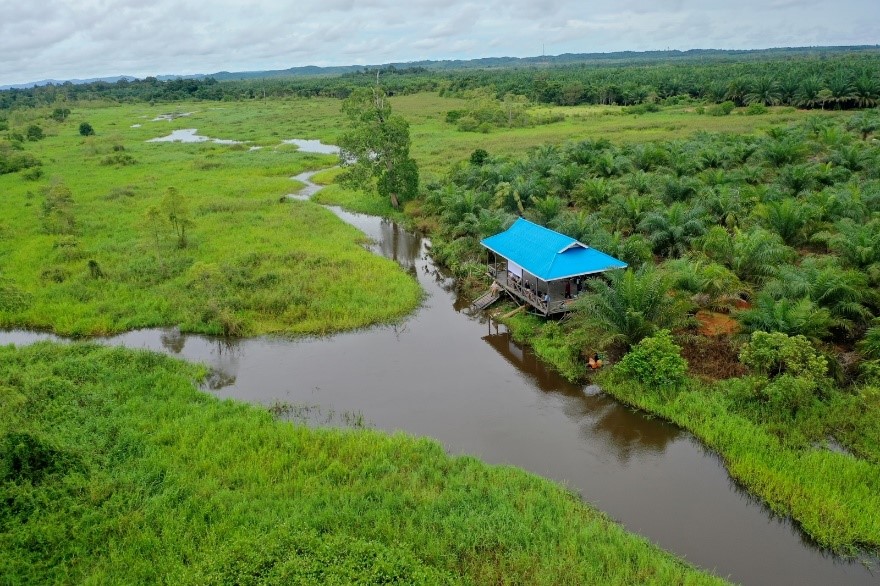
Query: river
460 379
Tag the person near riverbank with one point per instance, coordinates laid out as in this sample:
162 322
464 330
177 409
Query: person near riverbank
495 288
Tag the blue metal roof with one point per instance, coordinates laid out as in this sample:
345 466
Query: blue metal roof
547 254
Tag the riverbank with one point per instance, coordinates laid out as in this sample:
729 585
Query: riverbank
143 478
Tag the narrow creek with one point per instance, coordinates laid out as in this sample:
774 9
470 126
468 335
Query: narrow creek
461 379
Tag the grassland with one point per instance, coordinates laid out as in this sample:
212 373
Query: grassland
255 262
116 469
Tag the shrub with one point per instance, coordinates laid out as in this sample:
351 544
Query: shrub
85 129
756 108
479 156
656 361
722 109
774 354
34 133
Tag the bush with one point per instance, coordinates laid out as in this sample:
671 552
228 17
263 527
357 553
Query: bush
85 129
478 157
656 361
34 133
722 109
774 354
755 109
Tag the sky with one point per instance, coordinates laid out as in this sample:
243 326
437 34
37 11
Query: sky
66 39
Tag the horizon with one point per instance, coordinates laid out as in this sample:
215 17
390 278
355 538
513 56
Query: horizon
125 38
171 75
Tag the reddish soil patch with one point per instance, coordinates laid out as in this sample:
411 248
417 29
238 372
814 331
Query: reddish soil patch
712 358
716 324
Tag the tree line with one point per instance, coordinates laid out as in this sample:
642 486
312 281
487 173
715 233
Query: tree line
820 79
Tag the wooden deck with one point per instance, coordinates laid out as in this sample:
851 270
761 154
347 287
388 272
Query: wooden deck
525 292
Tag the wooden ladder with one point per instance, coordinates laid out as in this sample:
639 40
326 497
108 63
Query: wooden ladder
485 301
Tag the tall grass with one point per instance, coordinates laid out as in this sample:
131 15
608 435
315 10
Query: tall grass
255 262
115 469
835 497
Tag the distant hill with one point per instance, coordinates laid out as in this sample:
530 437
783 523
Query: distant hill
490 63
113 79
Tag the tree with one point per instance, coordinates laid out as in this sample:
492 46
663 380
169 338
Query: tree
176 208
672 230
375 149
631 306
85 129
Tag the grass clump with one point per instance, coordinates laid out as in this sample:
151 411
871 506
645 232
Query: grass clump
116 469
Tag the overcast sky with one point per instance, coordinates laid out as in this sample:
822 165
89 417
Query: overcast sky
65 39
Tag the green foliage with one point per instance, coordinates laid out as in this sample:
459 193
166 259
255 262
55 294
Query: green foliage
722 109
85 129
478 157
58 209
756 109
13 159
774 354
631 306
788 316
656 361
869 346
115 468
34 133
376 147
176 208
292 268
60 114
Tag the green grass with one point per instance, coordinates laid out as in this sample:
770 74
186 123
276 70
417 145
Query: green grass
256 262
436 143
115 469
835 497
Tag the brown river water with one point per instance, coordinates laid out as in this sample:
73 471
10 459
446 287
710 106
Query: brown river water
460 379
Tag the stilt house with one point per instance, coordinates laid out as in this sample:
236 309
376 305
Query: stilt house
541 267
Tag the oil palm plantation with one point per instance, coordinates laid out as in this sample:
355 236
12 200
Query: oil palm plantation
672 230
845 293
630 306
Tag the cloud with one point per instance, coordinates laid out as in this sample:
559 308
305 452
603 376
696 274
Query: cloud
90 38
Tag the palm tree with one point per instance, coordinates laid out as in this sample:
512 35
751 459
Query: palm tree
808 94
785 150
737 90
858 244
866 91
753 255
565 177
581 226
725 206
710 284
792 317
629 210
676 189
869 346
797 178
787 217
630 306
672 230
545 210
594 192
841 87
845 293
765 90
